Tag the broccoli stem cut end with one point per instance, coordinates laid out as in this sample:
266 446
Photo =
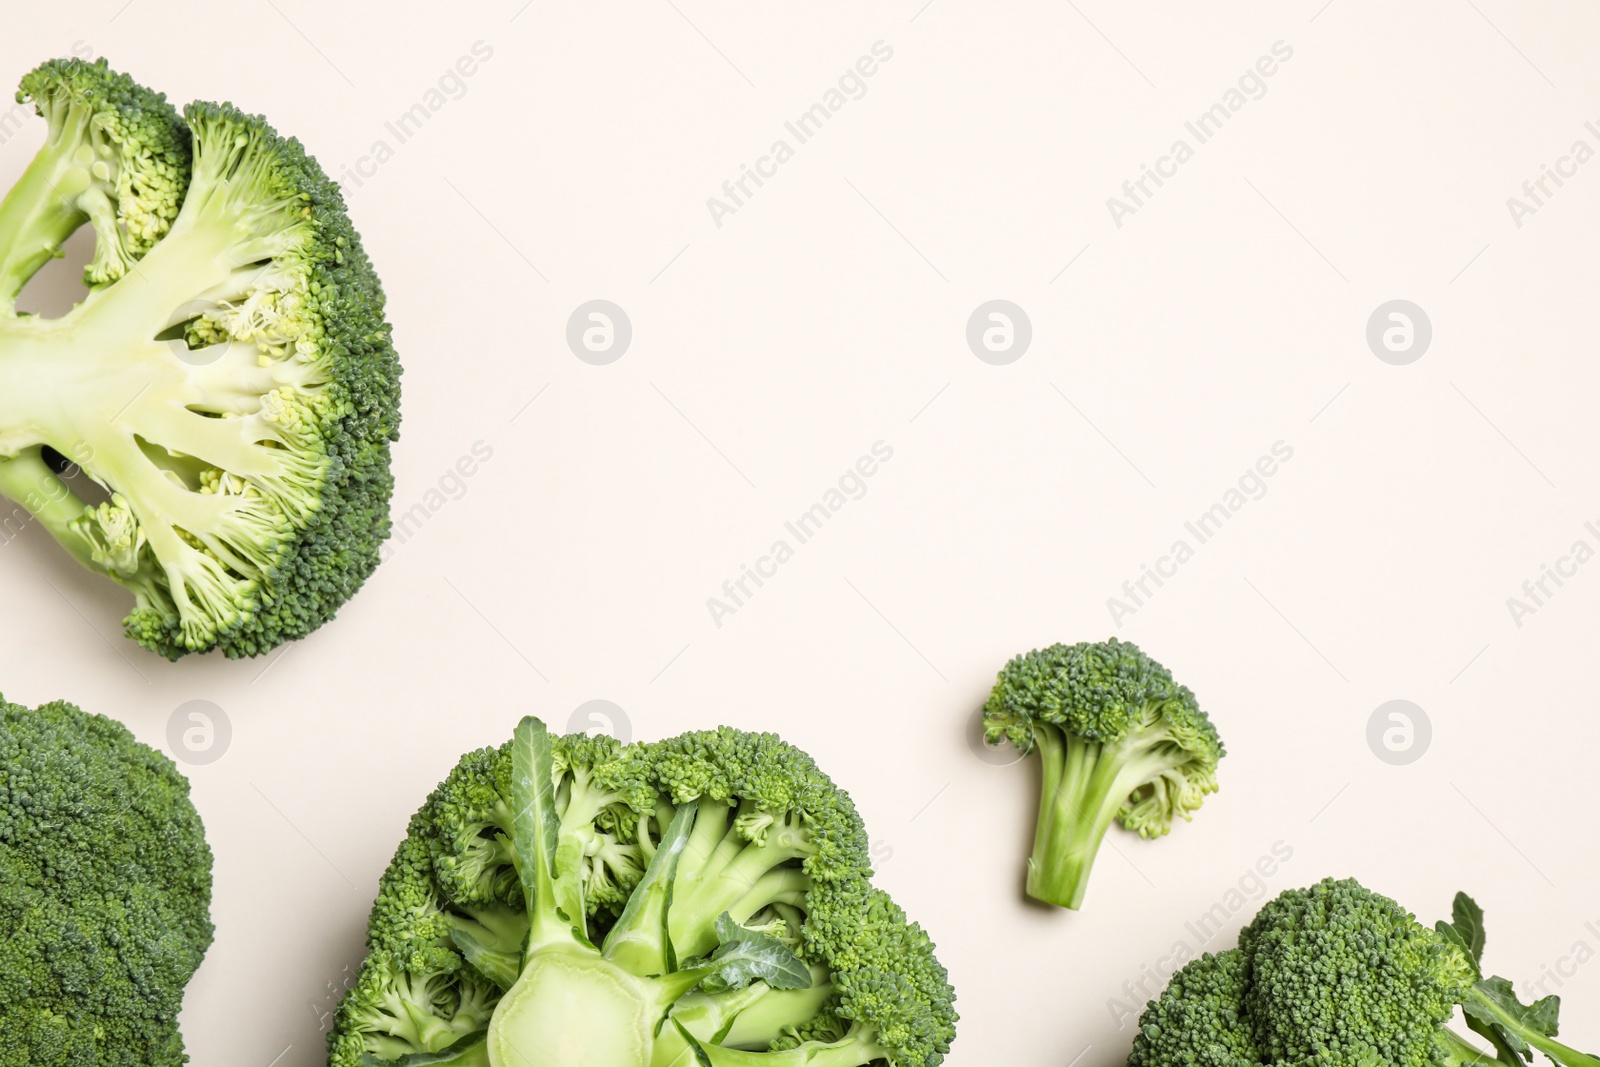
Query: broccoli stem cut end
533 1026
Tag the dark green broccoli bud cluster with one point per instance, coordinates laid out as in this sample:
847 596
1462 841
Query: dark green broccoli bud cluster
1119 741
105 893
1341 972
1337 974
229 380
577 902
1199 1021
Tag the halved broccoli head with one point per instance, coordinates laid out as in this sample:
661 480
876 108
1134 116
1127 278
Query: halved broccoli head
229 380
573 902
1119 740
1337 974
105 893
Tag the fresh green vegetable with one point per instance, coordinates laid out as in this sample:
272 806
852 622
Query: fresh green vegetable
567 901
1336 974
105 893
1118 738
228 380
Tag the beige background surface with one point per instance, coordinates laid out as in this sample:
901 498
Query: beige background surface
1226 314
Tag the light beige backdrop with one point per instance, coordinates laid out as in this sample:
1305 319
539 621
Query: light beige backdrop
568 520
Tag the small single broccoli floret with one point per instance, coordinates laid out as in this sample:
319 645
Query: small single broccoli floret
575 902
105 893
229 379
1118 738
1336 974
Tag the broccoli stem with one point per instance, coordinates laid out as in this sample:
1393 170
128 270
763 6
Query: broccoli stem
1458 1051
76 385
754 1016
1566 1057
758 1014
638 941
856 1050
28 480
739 887
40 212
1085 785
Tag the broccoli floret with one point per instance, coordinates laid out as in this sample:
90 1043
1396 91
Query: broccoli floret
1337 974
1340 971
116 156
105 893
1199 1021
705 900
1118 738
229 380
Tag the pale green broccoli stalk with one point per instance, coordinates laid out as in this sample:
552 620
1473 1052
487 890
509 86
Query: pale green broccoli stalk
229 379
105 893
573 902
1338 974
1118 740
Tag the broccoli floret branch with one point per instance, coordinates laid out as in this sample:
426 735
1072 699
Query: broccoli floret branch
1118 739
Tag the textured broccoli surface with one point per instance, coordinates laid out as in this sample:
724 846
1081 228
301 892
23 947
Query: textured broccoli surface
105 893
229 379
568 901
1118 739
1337 974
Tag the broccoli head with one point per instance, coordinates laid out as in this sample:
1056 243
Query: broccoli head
1119 740
228 381
569 901
1337 974
105 893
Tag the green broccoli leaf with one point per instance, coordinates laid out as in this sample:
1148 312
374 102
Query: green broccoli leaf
1538 1017
1469 925
745 956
